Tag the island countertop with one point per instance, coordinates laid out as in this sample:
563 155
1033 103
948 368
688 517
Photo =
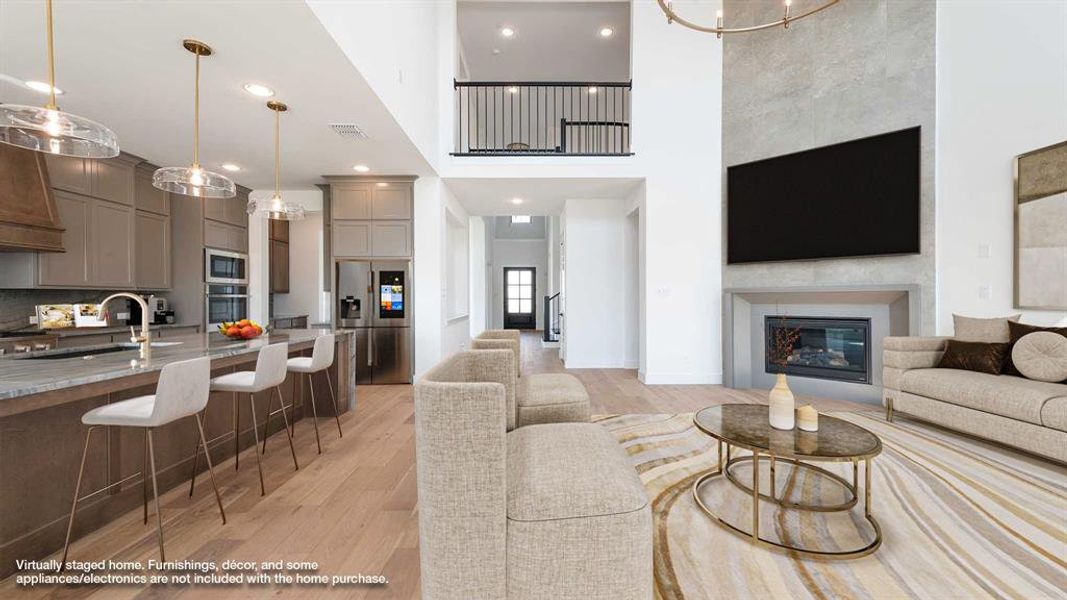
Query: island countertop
23 375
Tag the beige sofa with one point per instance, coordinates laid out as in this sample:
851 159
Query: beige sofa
1026 414
539 397
545 511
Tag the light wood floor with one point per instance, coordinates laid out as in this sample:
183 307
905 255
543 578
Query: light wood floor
351 509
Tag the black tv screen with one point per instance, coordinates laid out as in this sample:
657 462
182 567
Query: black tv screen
857 198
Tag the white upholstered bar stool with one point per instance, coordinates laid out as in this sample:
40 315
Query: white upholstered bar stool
269 374
182 392
321 359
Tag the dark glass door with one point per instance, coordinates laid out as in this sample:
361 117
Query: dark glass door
519 290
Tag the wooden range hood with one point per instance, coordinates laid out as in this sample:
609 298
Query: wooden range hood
29 219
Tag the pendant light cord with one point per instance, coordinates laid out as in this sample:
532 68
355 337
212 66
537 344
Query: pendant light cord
51 61
196 113
277 153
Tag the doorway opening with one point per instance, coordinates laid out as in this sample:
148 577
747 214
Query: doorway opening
520 288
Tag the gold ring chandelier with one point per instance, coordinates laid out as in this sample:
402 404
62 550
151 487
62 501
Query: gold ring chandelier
719 29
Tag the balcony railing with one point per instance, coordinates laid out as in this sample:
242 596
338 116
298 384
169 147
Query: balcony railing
500 118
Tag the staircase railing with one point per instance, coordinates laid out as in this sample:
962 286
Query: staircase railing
552 318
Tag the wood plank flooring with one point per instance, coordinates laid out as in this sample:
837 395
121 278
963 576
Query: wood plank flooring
352 509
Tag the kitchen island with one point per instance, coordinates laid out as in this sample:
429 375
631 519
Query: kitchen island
44 394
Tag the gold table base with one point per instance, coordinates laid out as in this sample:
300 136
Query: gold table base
754 490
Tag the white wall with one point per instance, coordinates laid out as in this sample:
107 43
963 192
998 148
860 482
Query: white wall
429 224
601 270
477 253
518 253
1001 91
455 297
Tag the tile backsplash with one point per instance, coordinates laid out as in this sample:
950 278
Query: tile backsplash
17 306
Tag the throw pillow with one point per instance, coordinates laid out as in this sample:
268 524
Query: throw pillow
1016 333
974 356
970 329
1041 356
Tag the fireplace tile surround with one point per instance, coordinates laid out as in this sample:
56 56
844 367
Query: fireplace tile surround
889 309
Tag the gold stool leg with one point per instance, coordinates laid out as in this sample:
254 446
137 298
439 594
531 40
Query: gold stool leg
74 503
144 478
192 478
210 467
155 493
285 420
266 426
889 410
314 411
255 446
333 402
236 433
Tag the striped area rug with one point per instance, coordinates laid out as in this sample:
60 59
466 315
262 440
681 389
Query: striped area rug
960 519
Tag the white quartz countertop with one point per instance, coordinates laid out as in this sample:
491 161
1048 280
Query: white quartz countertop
25 375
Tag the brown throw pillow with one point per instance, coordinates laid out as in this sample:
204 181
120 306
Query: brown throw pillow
974 356
1016 331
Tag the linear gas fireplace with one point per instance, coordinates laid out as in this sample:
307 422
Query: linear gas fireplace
825 348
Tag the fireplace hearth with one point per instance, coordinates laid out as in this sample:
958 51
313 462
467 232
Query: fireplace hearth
825 348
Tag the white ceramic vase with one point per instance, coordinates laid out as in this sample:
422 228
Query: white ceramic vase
783 415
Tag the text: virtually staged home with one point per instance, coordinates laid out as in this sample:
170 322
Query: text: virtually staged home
533 299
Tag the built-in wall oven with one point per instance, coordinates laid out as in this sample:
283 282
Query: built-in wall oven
221 266
225 303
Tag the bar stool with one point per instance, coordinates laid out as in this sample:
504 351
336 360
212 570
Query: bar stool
182 391
321 359
269 374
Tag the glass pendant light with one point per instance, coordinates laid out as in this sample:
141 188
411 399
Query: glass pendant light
48 129
274 207
194 180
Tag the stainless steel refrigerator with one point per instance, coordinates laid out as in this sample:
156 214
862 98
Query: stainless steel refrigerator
374 298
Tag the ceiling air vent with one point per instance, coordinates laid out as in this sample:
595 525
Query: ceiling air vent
349 130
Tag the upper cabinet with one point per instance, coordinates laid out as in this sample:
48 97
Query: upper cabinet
153 251
146 196
110 179
112 244
73 267
70 174
228 210
370 217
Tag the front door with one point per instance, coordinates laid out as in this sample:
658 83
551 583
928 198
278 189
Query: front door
519 292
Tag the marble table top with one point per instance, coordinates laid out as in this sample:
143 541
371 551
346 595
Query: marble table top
26 375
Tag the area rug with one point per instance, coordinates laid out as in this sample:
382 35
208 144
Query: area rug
960 519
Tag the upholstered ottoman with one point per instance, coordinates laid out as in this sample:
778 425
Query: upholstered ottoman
551 398
579 523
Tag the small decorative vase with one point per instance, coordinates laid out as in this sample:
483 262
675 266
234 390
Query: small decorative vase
782 411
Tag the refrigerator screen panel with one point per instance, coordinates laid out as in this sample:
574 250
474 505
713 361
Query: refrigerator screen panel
391 295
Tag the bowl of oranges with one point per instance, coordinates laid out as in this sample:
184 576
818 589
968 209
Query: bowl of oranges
244 329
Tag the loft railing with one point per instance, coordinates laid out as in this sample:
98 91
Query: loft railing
539 118
552 317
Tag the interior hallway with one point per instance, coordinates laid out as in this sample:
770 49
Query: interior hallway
351 509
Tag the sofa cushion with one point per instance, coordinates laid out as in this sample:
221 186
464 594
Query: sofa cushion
568 471
551 398
1004 395
974 356
1041 356
970 329
1054 413
1016 332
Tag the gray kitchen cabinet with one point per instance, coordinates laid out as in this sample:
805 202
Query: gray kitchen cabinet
279 267
73 267
391 238
69 173
146 196
215 209
112 179
112 243
237 209
225 236
351 201
352 239
391 202
153 247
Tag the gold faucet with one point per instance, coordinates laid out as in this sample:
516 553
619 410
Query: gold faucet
145 339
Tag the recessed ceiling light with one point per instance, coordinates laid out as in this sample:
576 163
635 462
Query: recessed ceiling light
507 32
516 200
361 168
513 90
606 32
592 90
259 90
383 184
40 86
231 167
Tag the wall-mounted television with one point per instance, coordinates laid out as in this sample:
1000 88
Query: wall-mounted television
857 198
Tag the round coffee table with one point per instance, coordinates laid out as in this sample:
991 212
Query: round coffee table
747 426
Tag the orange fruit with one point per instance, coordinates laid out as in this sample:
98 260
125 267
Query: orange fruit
244 323
233 331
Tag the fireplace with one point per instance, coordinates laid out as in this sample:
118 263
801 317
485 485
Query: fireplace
825 348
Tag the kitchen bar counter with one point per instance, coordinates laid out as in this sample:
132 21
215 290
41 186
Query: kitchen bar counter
41 434
80 331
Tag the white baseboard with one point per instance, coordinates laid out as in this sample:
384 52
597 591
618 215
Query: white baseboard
554 344
713 378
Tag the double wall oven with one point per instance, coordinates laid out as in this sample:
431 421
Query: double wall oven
225 286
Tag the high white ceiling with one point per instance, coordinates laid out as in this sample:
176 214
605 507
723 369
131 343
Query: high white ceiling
122 64
493 197
553 41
